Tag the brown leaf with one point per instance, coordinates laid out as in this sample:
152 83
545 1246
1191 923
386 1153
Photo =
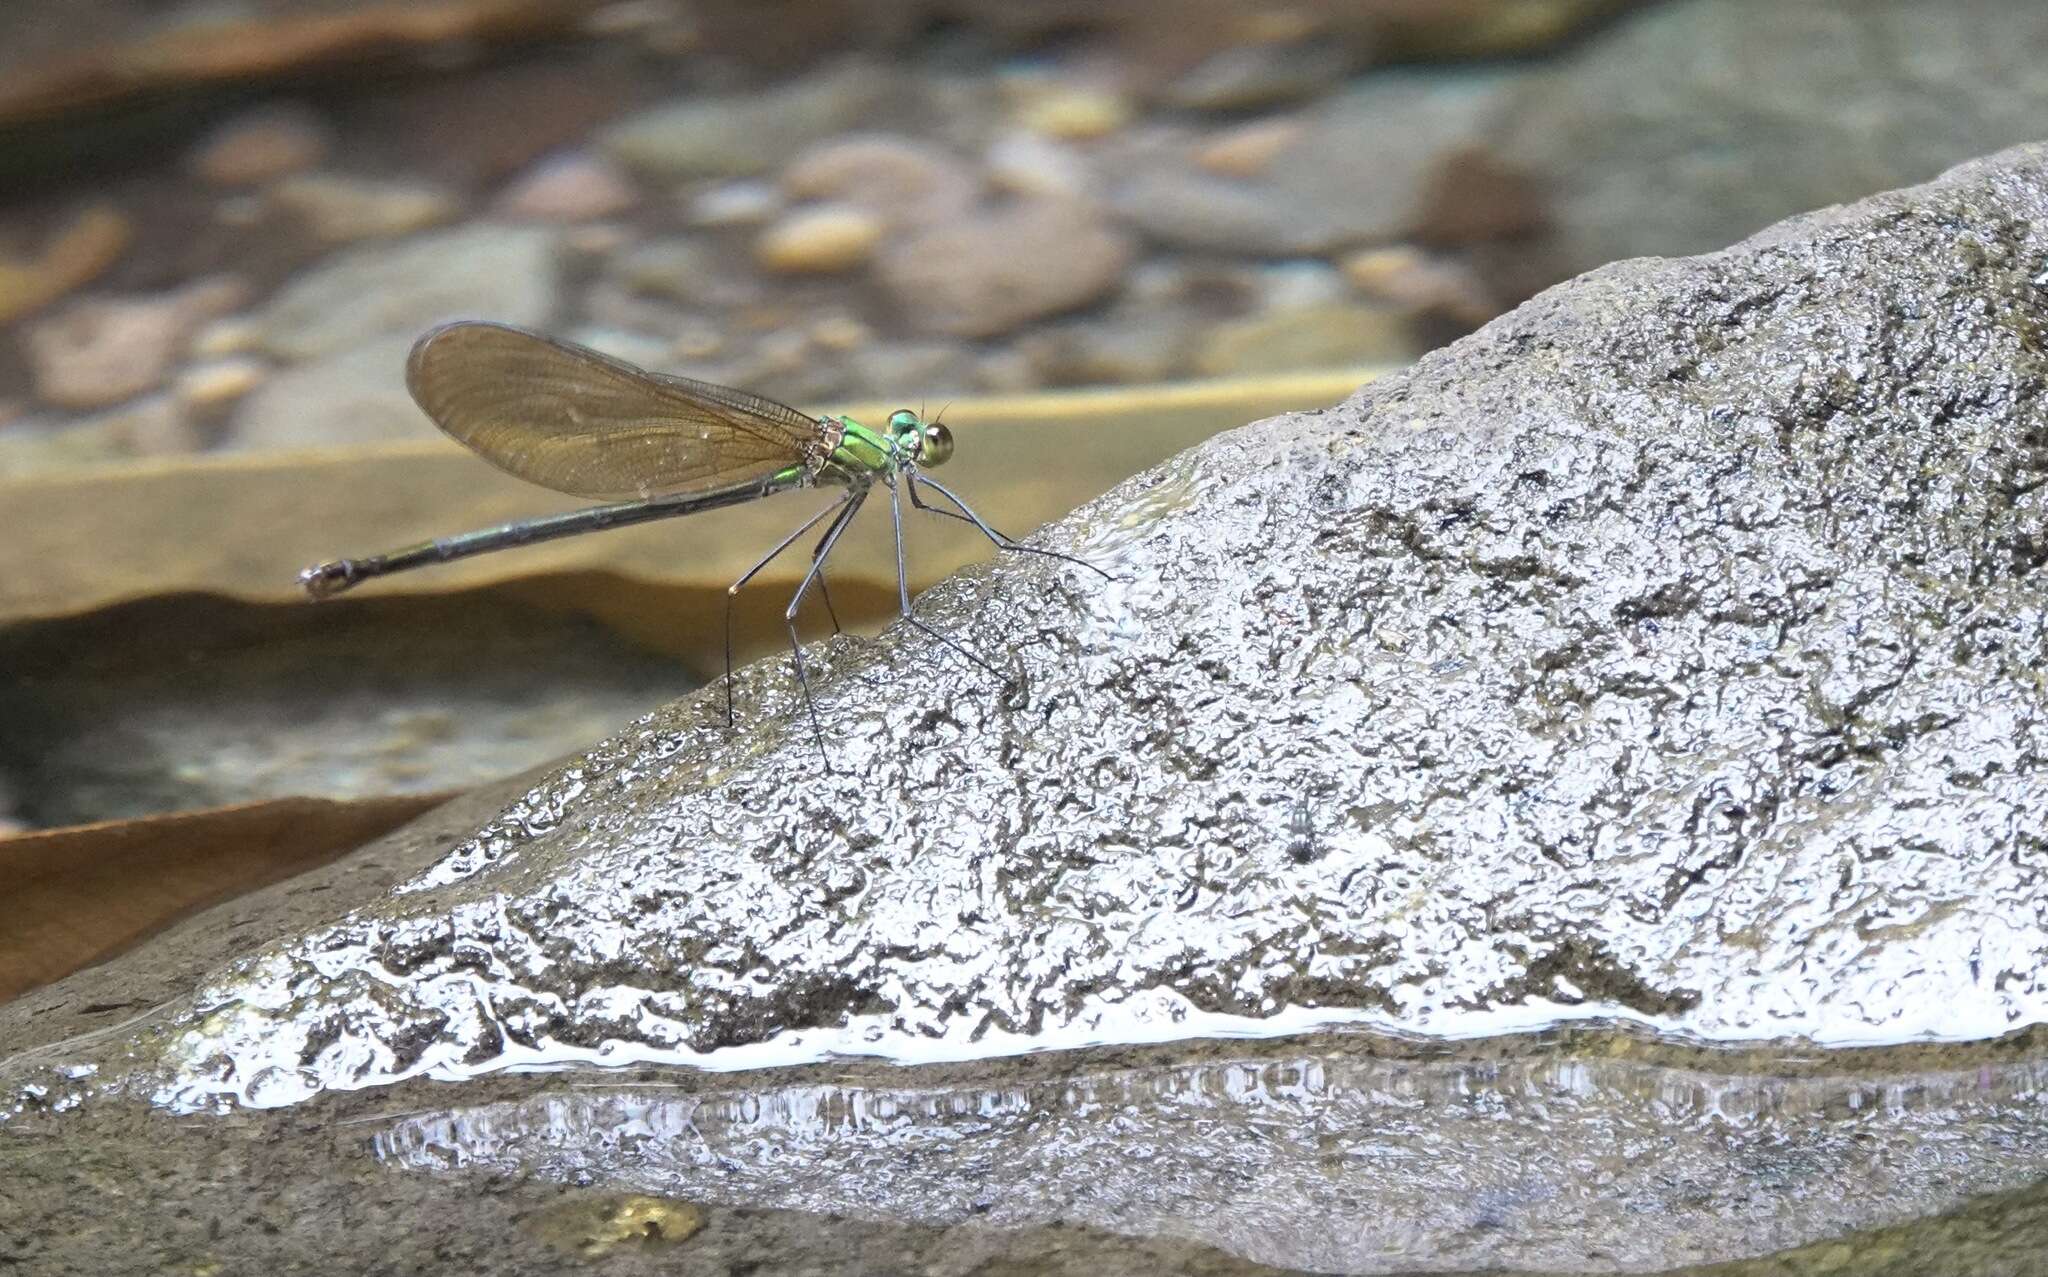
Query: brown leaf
243 525
80 895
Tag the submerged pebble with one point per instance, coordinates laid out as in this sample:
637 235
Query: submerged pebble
216 383
1072 113
573 187
409 285
338 208
898 180
100 351
820 239
996 271
737 203
740 134
345 397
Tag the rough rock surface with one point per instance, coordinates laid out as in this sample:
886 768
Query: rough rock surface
1669 651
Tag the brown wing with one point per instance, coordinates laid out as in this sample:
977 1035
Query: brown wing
568 418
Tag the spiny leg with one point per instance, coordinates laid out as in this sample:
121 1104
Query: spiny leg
1003 541
825 591
732 591
796 647
903 589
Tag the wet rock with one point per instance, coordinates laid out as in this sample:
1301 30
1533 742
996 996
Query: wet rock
338 209
505 272
700 136
901 181
1703 544
998 270
1742 532
352 396
286 1207
1266 1155
575 187
261 146
820 239
1742 113
1363 168
100 351
1667 653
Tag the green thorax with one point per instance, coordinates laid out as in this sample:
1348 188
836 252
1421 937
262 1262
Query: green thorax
865 454
862 453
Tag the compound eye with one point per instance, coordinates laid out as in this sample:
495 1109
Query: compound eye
938 444
902 419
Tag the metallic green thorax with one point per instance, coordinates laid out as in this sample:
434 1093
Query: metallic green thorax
861 451
865 454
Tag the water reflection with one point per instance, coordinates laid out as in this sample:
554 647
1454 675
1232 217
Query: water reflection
1328 1162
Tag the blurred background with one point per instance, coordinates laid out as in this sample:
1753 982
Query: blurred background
222 221
1101 229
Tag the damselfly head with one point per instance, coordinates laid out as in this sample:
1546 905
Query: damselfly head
925 442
